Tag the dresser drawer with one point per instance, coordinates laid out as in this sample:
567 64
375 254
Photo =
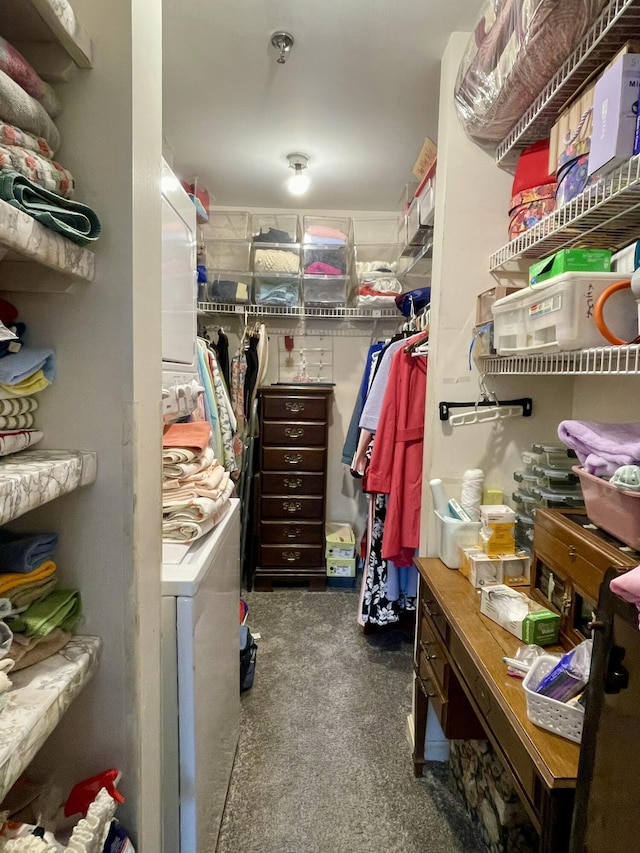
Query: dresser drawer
291 556
285 507
568 555
292 533
299 408
294 434
430 648
431 610
429 687
281 483
293 459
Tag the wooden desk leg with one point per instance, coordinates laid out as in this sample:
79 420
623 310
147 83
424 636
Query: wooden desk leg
420 706
556 814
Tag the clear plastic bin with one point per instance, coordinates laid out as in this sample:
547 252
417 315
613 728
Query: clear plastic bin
228 288
378 231
557 500
328 291
275 257
548 456
227 225
324 230
615 510
371 256
452 535
318 258
228 255
275 228
279 289
525 503
526 481
556 479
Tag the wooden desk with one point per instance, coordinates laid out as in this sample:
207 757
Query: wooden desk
544 766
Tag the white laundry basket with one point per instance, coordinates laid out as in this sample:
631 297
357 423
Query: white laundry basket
558 717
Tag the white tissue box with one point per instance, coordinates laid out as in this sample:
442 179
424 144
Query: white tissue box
519 615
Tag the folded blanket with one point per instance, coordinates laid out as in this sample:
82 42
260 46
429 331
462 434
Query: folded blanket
32 385
11 135
25 651
275 260
178 455
191 436
184 469
185 501
11 422
19 366
186 531
45 173
16 66
13 441
194 509
326 233
601 448
12 580
320 268
22 596
77 222
59 609
20 109
212 479
24 552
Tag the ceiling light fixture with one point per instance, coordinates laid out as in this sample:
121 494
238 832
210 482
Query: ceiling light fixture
298 183
283 42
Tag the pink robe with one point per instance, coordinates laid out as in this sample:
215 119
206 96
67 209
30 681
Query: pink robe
396 462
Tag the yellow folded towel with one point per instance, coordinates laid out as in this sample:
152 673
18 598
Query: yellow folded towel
11 580
31 385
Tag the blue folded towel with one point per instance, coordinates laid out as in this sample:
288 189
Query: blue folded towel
18 366
24 552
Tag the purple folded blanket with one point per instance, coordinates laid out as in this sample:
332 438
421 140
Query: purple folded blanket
602 448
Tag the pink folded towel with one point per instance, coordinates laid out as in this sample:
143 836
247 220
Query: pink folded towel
194 436
325 231
627 586
602 448
320 268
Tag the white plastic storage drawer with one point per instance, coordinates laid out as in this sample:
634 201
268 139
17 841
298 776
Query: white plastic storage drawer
557 315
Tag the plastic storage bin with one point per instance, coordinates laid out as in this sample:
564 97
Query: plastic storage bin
275 228
325 260
279 289
453 534
228 288
275 257
384 230
227 225
615 510
549 456
557 315
328 230
558 717
328 291
228 255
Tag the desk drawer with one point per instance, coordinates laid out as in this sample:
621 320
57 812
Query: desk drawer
430 648
292 533
428 684
285 483
571 557
293 459
294 434
285 507
291 556
299 408
431 611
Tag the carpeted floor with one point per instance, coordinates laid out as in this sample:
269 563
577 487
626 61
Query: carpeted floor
323 763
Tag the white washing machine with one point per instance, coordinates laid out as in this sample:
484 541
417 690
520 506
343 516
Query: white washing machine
201 683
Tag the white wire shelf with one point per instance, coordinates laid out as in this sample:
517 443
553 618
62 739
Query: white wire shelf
604 216
598 361
304 312
617 23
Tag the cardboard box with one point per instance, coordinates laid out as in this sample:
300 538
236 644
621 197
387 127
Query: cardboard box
615 111
570 260
339 540
426 158
340 567
570 136
519 615
465 553
484 570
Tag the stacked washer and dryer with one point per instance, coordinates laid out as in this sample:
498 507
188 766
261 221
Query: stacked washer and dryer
200 585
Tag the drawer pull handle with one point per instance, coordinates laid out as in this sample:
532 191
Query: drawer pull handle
428 610
294 407
294 432
291 556
573 552
425 650
292 532
291 506
425 690
293 483
293 458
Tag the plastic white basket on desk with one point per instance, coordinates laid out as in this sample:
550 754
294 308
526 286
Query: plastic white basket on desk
558 717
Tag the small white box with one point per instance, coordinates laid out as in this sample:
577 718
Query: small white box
557 315
452 535
496 514
615 112
484 569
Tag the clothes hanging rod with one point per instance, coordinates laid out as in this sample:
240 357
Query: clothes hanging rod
525 402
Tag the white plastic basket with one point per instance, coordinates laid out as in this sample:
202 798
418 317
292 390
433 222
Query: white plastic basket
558 717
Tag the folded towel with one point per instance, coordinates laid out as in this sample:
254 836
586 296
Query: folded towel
191 436
320 268
25 651
186 531
18 366
185 469
194 509
22 596
32 385
20 109
11 135
16 66
24 552
59 609
13 441
326 233
11 422
627 586
602 448
212 479
45 173
12 580
77 222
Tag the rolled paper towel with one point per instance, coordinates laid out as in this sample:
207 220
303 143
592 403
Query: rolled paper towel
471 492
440 499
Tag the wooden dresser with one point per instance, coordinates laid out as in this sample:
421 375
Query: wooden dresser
294 421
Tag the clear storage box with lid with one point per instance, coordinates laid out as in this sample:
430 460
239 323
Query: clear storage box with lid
328 230
275 228
225 255
549 456
227 225
228 288
275 258
328 291
326 260
277 289
378 230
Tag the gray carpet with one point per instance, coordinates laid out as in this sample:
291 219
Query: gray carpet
323 763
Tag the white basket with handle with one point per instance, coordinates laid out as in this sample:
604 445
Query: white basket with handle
558 717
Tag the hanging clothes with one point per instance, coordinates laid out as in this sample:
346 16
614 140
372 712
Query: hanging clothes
210 406
351 441
226 416
221 348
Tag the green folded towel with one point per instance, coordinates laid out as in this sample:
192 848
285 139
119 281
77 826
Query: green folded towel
59 609
73 220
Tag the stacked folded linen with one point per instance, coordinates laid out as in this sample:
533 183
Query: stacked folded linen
195 488
24 552
59 609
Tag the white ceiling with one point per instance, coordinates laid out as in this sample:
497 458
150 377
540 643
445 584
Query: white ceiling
358 94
